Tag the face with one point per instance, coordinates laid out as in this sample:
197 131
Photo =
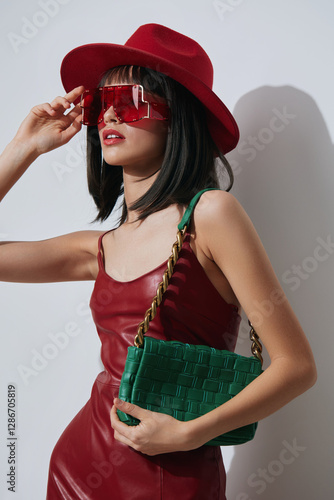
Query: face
138 146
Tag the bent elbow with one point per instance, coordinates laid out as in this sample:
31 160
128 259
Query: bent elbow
307 375
312 375
300 374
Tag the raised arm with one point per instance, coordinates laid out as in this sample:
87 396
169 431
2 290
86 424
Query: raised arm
45 128
65 258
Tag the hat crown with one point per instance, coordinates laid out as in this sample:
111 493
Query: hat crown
174 47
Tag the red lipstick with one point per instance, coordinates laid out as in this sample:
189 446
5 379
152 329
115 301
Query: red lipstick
111 136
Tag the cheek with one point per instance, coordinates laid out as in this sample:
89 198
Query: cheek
155 142
158 133
152 132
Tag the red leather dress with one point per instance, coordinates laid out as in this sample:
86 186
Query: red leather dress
87 463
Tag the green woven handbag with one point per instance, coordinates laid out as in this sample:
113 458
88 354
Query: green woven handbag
183 380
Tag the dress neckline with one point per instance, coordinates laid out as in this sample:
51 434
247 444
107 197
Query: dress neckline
103 270
162 266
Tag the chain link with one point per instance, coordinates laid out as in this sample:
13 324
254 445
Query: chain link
256 344
162 287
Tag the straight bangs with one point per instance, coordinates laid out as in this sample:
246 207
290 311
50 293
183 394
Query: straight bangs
133 74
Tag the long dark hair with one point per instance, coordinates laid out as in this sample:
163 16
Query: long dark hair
190 159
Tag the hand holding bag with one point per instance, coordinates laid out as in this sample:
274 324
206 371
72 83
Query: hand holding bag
183 380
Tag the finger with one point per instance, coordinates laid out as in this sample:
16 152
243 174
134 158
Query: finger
122 432
123 439
121 428
40 109
73 129
60 102
130 409
75 93
68 99
116 422
113 416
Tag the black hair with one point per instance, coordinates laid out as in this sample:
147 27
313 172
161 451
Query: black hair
189 163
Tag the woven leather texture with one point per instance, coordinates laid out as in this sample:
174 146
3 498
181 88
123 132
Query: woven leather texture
186 381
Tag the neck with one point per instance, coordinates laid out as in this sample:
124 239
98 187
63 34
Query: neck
135 186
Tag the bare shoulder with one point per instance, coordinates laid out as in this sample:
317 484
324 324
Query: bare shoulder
220 212
79 242
214 204
84 245
86 241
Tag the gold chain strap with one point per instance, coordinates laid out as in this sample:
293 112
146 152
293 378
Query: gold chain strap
256 344
162 287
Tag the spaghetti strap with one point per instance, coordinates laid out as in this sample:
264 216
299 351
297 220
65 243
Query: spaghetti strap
101 236
100 254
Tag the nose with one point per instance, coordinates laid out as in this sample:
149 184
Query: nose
110 116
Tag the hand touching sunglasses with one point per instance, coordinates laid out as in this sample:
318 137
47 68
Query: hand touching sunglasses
130 104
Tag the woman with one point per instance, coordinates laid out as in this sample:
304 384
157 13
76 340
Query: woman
155 131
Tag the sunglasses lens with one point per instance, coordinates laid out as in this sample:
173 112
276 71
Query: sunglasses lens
91 104
159 111
127 102
128 105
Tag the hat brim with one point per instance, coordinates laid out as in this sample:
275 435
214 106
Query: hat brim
85 65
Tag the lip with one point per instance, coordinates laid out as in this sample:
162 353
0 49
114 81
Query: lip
113 140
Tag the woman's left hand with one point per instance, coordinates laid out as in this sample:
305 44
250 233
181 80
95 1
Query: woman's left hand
156 433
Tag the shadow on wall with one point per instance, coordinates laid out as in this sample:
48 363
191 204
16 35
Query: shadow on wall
284 179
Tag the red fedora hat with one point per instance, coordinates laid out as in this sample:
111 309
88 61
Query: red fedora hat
164 50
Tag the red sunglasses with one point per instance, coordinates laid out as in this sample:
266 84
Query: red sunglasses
127 101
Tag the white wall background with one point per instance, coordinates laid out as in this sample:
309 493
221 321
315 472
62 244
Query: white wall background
271 59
